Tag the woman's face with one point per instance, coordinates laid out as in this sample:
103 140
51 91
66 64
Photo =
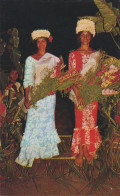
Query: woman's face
41 43
13 75
85 37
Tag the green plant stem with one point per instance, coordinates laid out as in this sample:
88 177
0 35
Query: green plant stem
109 117
114 40
116 30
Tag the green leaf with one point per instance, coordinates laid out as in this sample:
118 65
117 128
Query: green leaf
107 13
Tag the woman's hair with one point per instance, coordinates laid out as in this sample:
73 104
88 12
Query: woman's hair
13 68
78 38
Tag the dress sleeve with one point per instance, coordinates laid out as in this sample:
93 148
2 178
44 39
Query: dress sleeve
72 62
56 61
28 73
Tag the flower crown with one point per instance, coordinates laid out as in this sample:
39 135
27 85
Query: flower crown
85 25
41 33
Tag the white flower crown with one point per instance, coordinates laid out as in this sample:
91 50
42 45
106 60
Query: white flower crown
40 33
85 25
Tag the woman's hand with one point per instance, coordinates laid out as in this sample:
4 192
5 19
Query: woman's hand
80 101
79 98
27 103
53 75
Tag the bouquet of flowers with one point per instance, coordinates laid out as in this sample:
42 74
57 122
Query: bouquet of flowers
104 81
110 80
55 80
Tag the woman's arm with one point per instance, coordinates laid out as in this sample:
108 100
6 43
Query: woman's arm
28 79
27 101
79 98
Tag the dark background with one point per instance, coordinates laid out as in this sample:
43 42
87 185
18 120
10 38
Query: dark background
60 18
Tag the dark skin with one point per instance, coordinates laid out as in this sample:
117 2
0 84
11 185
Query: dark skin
41 46
85 38
13 76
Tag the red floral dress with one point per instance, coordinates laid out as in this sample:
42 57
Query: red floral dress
85 131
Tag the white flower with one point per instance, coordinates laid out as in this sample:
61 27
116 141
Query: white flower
85 25
108 92
113 69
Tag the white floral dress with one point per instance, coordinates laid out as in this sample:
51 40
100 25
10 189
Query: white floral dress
40 138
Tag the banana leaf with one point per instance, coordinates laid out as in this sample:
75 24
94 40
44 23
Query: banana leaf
108 13
106 19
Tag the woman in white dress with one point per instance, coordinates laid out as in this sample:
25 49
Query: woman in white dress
40 138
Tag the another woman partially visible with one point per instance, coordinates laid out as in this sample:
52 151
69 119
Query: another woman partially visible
40 138
86 137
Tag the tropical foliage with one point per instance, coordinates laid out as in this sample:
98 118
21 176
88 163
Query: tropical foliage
108 161
55 80
107 19
102 83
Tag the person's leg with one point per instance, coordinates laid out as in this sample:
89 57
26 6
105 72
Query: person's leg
79 157
86 154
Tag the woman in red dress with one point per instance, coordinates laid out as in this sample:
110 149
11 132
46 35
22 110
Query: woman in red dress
86 137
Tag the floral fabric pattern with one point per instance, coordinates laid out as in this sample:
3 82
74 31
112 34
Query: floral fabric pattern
29 72
86 131
72 61
40 138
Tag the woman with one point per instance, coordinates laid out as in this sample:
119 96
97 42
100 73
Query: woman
86 137
40 138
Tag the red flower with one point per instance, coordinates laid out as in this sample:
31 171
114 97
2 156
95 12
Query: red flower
99 73
117 119
91 81
58 71
116 77
103 70
50 39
